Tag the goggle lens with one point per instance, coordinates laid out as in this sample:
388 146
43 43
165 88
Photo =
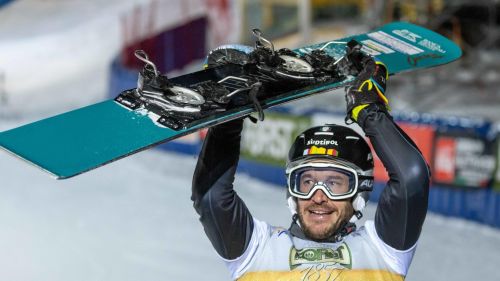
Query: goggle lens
337 183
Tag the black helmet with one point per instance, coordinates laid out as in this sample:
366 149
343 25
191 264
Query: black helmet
331 147
331 142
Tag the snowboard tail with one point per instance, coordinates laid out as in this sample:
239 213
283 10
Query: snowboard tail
161 109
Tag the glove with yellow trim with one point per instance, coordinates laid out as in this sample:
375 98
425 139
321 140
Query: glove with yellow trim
368 88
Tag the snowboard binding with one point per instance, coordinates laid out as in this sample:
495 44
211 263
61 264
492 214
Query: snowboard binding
155 86
281 64
236 79
156 94
352 62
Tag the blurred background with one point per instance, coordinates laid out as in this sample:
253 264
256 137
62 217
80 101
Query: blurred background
132 220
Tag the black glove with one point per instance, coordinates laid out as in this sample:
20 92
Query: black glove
367 88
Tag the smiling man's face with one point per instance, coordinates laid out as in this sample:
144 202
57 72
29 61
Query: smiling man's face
320 216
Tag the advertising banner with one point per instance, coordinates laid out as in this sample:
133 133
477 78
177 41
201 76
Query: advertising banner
444 165
457 155
268 142
463 160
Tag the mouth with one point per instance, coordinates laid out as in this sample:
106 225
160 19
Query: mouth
321 212
319 217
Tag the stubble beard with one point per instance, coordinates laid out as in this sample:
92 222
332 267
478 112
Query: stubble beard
324 234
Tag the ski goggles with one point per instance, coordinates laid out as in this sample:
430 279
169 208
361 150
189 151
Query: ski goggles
337 182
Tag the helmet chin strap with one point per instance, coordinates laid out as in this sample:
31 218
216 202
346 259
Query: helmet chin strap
358 204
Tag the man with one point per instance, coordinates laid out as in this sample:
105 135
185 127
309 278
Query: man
330 173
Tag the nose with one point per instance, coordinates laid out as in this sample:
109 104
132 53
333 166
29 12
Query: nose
319 197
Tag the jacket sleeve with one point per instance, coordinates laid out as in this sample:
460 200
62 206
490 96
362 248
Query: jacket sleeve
226 220
403 203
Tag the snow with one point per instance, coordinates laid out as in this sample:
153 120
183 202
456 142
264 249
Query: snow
59 47
133 220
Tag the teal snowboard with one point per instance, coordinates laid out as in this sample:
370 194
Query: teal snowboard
84 139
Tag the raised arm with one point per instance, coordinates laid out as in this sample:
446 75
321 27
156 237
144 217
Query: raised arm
403 204
225 218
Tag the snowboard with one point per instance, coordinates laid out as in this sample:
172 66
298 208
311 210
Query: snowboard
240 81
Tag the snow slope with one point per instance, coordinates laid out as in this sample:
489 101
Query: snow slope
133 220
53 49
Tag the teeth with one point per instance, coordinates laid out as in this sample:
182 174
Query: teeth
319 212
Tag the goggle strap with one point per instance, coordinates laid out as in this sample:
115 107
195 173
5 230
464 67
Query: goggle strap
365 183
